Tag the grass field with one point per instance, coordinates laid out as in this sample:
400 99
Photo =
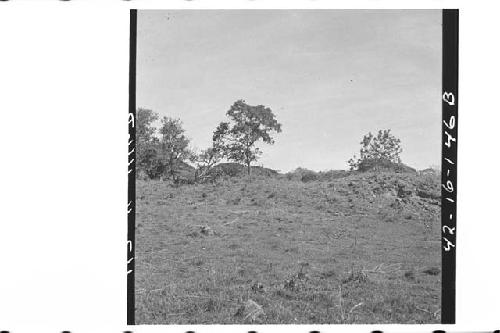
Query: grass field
360 249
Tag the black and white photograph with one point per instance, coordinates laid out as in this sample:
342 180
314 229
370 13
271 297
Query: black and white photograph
288 167
249 166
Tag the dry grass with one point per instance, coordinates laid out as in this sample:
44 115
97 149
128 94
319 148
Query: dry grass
318 252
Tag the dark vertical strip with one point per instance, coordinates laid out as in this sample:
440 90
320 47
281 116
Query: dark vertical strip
131 173
449 163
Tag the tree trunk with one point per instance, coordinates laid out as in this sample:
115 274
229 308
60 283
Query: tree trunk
172 171
249 169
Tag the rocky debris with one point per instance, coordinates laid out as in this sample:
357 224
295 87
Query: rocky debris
193 234
389 195
384 165
206 230
410 275
258 287
427 194
200 231
397 204
405 190
430 171
409 191
250 311
233 201
432 271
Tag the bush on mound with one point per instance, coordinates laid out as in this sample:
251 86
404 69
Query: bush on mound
309 176
301 174
237 170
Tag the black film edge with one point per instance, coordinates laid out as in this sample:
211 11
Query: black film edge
449 163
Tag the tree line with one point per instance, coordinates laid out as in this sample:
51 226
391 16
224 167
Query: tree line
164 151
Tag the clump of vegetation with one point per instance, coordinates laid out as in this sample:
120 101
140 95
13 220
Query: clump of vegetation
380 151
355 276
302 174
309 177
164 153
410 275
205 162
174 146
432 271
147 144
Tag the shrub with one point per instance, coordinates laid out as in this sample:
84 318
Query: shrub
302 174
309 176
383 147
229 169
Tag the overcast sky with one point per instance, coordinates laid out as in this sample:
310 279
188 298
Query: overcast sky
329 76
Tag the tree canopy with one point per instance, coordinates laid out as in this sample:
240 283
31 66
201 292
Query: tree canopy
174 145
146 142
384 147
247 125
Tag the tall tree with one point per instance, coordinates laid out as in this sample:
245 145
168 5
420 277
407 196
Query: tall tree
174 145
146 142
247 125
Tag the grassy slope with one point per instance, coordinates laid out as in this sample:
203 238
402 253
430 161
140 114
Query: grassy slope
303 251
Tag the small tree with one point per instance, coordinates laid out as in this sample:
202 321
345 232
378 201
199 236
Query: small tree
382 148
205 161
247 125
174 145
146 142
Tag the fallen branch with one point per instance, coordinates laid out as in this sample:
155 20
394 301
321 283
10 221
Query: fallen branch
384 269
424 310
233 221
340 304
356 306
239 211
159 289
